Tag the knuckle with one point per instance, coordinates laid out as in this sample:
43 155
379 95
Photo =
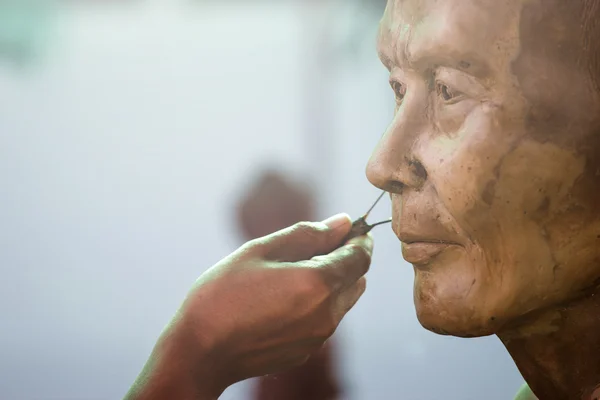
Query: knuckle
362 284
327 325
310 229
331 329
327 330
254 246
361 287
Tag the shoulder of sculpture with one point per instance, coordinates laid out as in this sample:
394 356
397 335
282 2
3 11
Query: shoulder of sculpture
525 394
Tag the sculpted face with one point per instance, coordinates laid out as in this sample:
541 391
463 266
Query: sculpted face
492 158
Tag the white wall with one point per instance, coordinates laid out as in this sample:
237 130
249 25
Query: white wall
119 159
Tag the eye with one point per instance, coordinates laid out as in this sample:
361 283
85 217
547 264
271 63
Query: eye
446 93
399 90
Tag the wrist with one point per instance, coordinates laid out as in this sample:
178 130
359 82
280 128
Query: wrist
179 368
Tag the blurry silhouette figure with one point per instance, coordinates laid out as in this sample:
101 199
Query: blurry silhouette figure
274 202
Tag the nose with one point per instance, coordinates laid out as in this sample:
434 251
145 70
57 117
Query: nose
394 164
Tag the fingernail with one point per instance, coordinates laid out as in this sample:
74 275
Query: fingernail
337 221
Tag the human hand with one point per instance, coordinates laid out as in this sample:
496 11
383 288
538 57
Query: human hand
275 301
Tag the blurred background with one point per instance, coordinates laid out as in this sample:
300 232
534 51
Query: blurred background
129 132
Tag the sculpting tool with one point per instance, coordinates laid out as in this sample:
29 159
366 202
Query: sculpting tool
361 226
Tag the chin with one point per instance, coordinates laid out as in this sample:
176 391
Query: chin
450 326
441 310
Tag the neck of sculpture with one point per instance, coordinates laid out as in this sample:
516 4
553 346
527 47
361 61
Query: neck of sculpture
558 350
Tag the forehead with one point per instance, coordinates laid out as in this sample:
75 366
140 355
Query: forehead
470 32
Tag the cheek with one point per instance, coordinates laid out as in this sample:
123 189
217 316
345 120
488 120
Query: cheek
489 170
537 178
464 165
500 188
533 186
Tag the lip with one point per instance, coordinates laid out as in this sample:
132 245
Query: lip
419 253
425 228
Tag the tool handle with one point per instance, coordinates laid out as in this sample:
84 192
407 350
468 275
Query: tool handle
359 228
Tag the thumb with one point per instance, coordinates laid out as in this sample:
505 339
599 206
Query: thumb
306 240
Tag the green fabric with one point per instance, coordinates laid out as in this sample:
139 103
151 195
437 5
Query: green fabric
525 394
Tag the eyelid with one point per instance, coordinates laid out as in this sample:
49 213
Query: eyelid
458 95
393 81
459 80
397 74
399 97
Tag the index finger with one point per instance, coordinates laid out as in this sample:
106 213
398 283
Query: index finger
344 266
305 240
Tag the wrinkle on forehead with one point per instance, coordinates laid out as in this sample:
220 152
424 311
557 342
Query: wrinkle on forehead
533 46
450 30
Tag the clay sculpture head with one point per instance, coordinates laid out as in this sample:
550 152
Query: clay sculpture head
492 161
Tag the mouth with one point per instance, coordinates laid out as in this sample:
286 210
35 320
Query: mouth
426 232
423 252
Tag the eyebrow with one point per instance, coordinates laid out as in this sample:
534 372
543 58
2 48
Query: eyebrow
439 56
385 60
383 55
